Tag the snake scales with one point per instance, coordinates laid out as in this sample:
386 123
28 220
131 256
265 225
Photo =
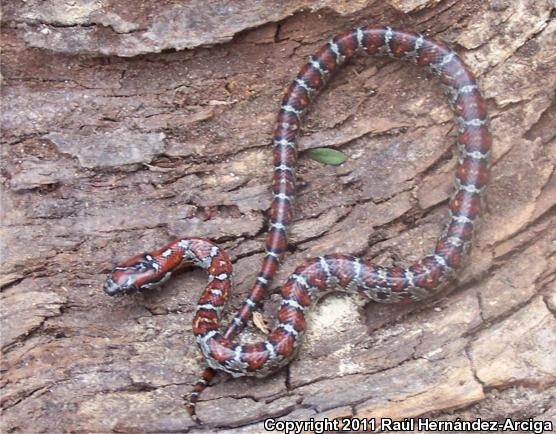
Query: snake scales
384 284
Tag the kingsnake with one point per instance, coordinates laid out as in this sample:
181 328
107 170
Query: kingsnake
383 284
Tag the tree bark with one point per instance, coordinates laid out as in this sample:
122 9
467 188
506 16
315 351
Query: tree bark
126 126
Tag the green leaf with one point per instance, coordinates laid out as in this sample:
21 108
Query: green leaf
326 156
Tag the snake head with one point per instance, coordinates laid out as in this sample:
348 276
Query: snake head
139 272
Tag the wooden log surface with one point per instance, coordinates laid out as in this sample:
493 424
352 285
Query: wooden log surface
128 124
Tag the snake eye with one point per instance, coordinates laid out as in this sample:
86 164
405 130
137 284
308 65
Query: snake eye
139 272
122 280
141 266
144 263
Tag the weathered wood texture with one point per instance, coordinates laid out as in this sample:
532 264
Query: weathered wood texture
115 142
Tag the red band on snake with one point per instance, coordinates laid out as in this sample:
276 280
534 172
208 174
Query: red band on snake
384 284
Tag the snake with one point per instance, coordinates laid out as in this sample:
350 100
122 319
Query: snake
221 347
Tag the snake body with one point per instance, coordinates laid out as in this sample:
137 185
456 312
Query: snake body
382 284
